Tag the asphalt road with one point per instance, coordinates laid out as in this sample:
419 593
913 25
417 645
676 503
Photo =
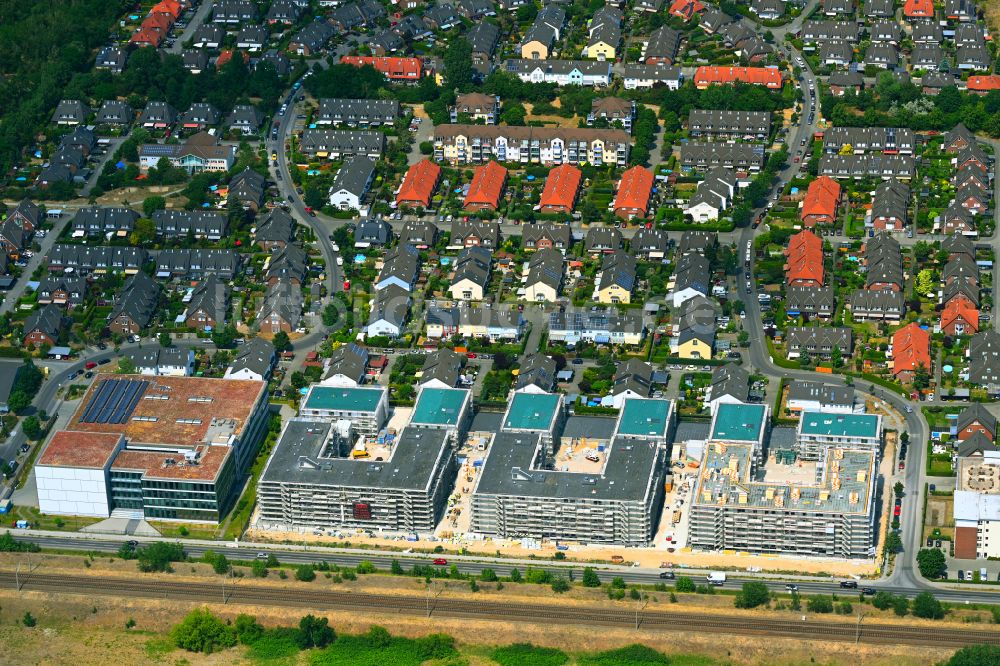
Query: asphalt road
502 567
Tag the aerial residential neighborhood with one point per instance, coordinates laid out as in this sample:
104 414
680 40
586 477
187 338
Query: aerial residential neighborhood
678 288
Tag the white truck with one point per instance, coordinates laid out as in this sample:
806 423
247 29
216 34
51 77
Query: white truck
716 578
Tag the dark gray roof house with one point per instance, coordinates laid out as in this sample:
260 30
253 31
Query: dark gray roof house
290 263
157 115
200 116
114 112
252 37
633 376
284 11
558 236
245 118
277 229
372 231
603 239
418 233
47 321
209 302
199 224
254 360
248 187
977 414
984 360
357 112
809 301
351 183
877 305
444 366
313 38
281 308
349 361
536 370
234 11
817 340
649 243
111 58
730 380
98 221
195 61
135 308
197 262
618 268
976 445
336 144
70 112
208 37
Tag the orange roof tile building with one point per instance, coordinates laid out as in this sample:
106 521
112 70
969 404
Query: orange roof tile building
487 186
562 187
918 9
419 184
911 349
634 192
686 9
821 202
147 37
960 316
983 83
169 7
395 69
804 260
706 76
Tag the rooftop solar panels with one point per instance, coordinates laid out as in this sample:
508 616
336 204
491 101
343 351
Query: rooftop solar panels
114 400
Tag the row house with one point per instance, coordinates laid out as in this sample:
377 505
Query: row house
357 112
546 237
197 263
750 125
338 144
864 140
561 72
902 167
804 260
890 206
883 262
637 76
810 302
818 341
464 144
885 305
99 259
705 156
197 224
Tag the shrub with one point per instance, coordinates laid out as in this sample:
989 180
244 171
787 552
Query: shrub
684 584
900 606
927 606
883 600
634 594
752 594
305 573
560 585
280 643
618 582
365 567
634 655
247 629
515 576
590 578
488 576
201 631
158 556
314 632
845 608
28 619
537 576
526 654
259 569
820 604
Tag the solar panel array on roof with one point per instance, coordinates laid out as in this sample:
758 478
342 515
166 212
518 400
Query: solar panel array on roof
113 401
158 149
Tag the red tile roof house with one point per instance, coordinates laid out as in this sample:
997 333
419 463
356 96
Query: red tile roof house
706 76
147 37
419 184
396 69
910 350
917 9
960 316
634 191
686 9
487 186
804 260
821 202
562 186
982 84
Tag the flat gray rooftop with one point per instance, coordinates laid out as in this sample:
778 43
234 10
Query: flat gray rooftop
296 459
508 470
591 427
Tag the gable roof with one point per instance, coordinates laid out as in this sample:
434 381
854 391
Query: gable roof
635 188
47 320
561 186
804 258
822 197
732 380
977 413
419 183
487 185
138 300
910 349
618 268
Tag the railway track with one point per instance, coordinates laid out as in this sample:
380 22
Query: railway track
658 620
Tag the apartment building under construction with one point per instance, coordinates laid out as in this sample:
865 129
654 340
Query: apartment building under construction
822 508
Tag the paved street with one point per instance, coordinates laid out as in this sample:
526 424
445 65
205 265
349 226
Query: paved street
45 245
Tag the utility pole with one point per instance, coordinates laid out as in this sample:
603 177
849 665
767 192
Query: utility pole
640 604
857 634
